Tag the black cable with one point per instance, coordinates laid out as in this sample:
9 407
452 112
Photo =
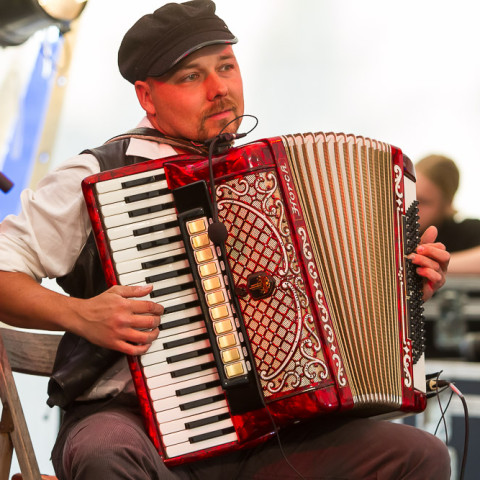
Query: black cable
467 431
443 385
280 446
217 234
442 417
438 386
216 231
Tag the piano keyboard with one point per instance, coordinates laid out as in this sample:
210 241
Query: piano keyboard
141 225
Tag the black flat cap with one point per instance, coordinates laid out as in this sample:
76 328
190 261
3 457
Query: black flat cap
158 41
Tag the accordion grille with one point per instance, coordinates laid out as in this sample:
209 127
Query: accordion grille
281 331
345 185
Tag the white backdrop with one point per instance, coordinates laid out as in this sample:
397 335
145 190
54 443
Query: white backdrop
407 73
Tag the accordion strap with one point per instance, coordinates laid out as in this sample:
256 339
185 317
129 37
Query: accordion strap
154 135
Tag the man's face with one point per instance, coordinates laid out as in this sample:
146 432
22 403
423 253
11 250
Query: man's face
198 98
433 208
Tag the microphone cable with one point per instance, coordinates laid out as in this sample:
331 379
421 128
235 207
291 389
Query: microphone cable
217 231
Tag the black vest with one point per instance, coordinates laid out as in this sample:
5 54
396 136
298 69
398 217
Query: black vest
79 363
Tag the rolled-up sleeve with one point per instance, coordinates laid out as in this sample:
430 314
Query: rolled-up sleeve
46 237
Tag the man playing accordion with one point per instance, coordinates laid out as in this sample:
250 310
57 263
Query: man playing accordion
181 61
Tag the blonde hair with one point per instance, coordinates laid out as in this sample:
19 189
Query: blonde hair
443 172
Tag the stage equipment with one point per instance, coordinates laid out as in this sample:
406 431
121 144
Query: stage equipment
20 19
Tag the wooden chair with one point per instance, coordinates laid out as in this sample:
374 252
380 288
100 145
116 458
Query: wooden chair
25 352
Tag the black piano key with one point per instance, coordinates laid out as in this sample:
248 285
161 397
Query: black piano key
154 228
193 369
144 181
196 388
209 435
201 402
146 195
158 262
172 289
165 276
185 341
180 306
153 209
188 355
180 322
158 243
207 421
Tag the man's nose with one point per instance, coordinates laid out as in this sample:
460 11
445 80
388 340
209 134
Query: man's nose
216 87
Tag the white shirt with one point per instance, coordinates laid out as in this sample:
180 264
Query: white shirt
46 238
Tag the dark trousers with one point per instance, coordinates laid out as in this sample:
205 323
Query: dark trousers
111 443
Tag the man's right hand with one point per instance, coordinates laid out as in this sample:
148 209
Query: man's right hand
118 320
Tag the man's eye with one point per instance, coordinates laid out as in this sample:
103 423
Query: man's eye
190 77
227 67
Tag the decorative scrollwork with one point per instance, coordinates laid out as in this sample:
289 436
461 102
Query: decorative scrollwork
222 189
407 363
398 179
305 245
340 373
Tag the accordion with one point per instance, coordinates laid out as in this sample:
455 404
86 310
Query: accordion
308 308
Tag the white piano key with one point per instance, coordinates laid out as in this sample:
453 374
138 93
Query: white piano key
157 381
119 195
179 425
168 298
154 356
168 318
191 311
141 275
175 248
164 367
165 414
116 183
158 343
186 297
183 436
180 329
187 447
124 218
123 207
169 390
128 229
171 296
159 356
135 255
130 242
172 404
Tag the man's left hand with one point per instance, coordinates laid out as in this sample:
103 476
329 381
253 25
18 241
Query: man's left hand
431 259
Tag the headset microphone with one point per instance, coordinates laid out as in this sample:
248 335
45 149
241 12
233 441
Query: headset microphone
217 231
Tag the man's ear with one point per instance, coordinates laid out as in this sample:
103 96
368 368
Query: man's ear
144 96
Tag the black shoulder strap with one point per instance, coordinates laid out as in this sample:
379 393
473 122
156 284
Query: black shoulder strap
154 135
112 155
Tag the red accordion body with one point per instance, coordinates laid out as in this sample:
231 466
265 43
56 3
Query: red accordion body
308 309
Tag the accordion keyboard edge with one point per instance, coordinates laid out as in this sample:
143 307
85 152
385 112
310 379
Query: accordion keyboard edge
321 222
